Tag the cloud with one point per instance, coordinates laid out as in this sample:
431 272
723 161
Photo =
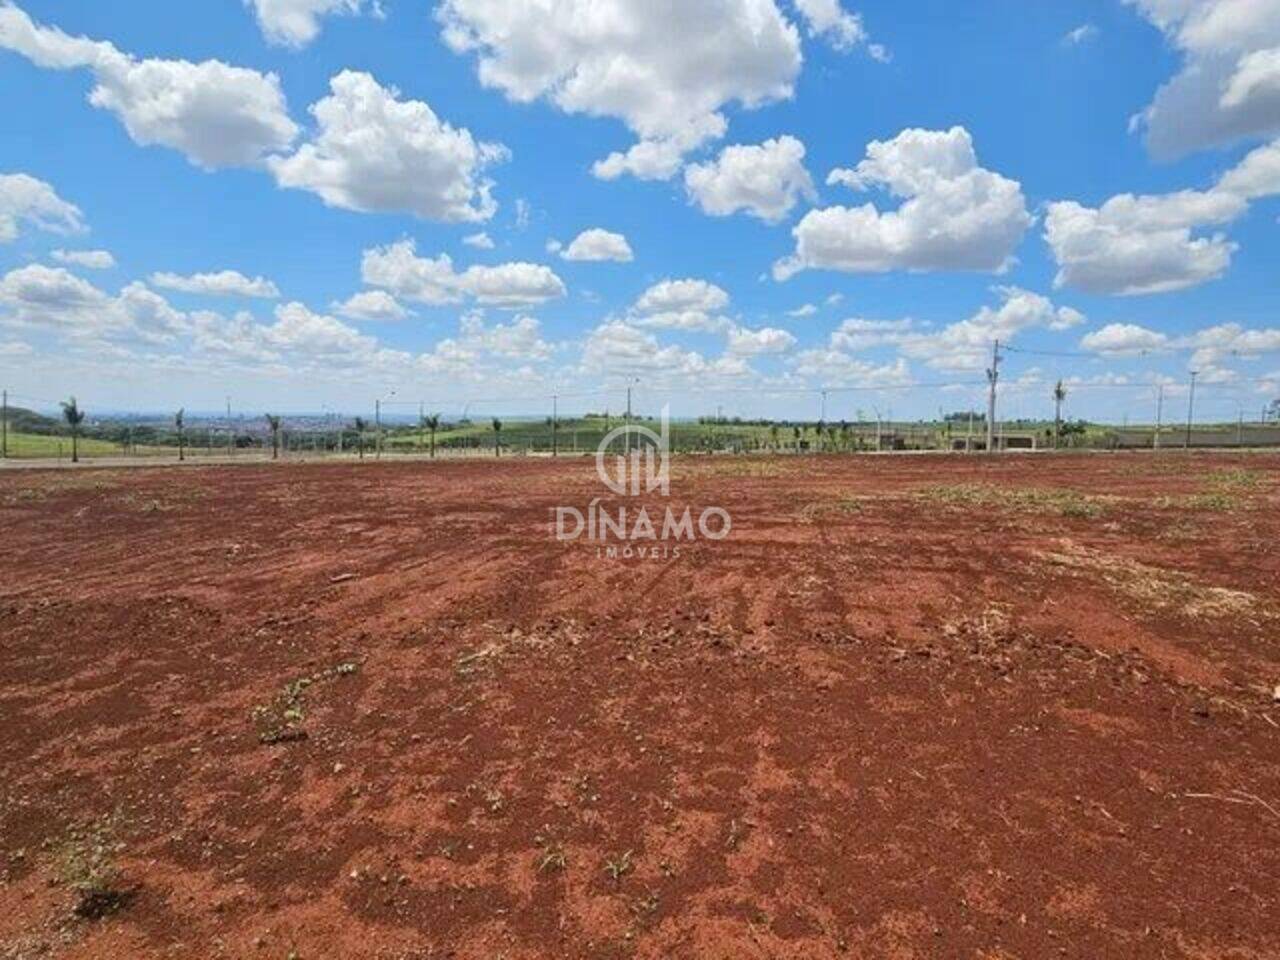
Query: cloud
857 333
89 259
295 23
1081 34
955 215
766 181
1257 175
965 344
26 200
616 348
481 241
1214 345
666 70
1118 250
398 269
374 305
834 367
226 283
520 339
597 244
843 30
299 329
683 305
217 115
672 296
1229 85
744 342
375 153
54 298
805 310
1155 244
1124 339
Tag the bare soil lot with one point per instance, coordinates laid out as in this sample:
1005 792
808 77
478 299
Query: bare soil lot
912 707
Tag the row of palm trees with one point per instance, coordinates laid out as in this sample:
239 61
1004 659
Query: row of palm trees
74 416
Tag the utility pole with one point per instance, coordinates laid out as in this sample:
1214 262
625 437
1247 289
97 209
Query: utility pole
824 406
231 436
422 415
555 425
627 435
1191 409
993 378
1059 394
4 427
1159 417
377 429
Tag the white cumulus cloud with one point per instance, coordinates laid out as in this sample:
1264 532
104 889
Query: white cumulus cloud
223 283
27 200
765 180
955 214
398 269
844 30
745 342
217 115
667 70
1229 85
371 305
1156 244
295 23
1124 339
375 153
596 245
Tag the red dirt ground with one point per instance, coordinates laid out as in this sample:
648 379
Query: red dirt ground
912 707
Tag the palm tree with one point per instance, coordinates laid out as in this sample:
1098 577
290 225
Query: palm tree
74 416
432 423
497 433
361 427
177 422
274 423
1059 395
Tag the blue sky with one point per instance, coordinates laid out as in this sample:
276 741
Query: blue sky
995 204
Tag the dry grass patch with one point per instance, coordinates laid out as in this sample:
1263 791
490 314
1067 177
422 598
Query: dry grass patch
1154 588
1065 503
731 467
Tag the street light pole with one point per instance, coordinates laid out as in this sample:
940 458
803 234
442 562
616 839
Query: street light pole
1159 416
1191 408
993 378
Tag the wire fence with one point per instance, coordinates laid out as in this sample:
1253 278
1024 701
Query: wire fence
1031 413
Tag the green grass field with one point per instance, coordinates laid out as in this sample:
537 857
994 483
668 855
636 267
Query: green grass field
36 446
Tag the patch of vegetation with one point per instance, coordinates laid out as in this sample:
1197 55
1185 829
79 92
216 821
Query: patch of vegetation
280 721
618 867
1214 502
1235 479
1066 503
844 506
552 858
1160 590
88 867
